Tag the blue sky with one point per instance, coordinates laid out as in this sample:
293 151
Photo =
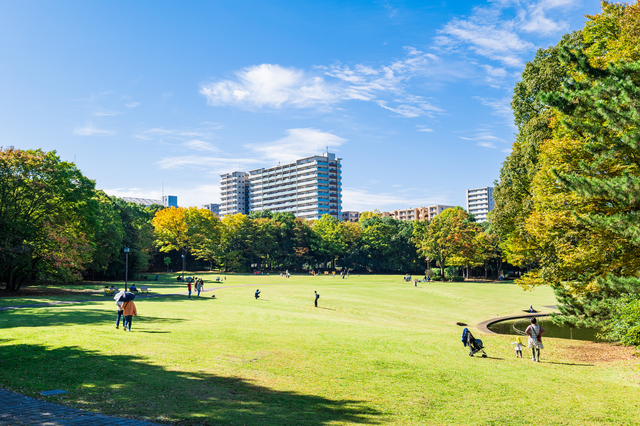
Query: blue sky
412 95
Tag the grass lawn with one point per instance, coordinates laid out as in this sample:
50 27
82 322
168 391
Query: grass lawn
376 351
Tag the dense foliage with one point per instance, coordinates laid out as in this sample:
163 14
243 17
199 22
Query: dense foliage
55 226
568 200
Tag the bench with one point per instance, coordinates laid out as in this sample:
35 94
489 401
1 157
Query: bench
143 289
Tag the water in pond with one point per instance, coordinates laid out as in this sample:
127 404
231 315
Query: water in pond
551 330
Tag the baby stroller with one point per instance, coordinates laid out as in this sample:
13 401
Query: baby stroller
475 345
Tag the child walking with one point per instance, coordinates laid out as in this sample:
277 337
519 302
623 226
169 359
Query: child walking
518 346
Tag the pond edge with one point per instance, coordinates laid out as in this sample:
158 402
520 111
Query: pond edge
484 325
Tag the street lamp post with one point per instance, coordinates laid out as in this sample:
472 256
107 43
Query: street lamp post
428 268
183 268
126 267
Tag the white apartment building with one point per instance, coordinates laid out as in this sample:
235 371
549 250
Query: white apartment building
233 193
308 188
213 208
480 202
350 216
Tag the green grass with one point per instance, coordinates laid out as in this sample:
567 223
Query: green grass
376 351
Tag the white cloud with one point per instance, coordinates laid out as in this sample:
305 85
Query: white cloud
132 104
424 129
501 107
269 85
178 134
90 130
484 139
199 145
105 113
274 86
497 41
496 31
298 143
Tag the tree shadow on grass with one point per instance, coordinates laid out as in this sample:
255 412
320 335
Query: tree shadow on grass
132 386
41 317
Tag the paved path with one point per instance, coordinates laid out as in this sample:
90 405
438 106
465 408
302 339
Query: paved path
20 410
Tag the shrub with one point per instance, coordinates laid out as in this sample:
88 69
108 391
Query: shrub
625 324
457 279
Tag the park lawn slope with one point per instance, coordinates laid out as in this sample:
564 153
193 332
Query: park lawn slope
375 351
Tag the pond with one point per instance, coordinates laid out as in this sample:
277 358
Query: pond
551 330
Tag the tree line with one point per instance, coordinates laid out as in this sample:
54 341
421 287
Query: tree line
56 227
568 199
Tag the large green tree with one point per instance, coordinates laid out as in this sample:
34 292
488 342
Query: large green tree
44 206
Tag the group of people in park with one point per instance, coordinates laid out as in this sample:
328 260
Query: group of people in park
197 283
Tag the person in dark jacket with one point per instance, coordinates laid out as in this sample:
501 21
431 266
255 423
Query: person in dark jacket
317 297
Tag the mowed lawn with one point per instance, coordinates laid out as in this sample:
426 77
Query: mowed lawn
375 351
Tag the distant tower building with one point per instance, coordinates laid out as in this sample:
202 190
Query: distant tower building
170 200
213 208
233 193
480 202
350 216
308 188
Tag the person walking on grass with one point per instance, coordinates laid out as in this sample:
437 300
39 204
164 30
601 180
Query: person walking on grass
189 288
316 300
198 287
129 311
535 332
119 306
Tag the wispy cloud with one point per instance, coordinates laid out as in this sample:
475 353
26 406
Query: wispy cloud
204 132
274 86
199 145
498 31
90 130
106 113
501 107
362 200
298 143
212 164
424 129
132 104
484 139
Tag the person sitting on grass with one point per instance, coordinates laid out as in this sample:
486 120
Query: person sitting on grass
257 294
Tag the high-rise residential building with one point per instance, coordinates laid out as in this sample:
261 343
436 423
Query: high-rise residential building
350 216
170 200
233 193
213 208
308 188
480 202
